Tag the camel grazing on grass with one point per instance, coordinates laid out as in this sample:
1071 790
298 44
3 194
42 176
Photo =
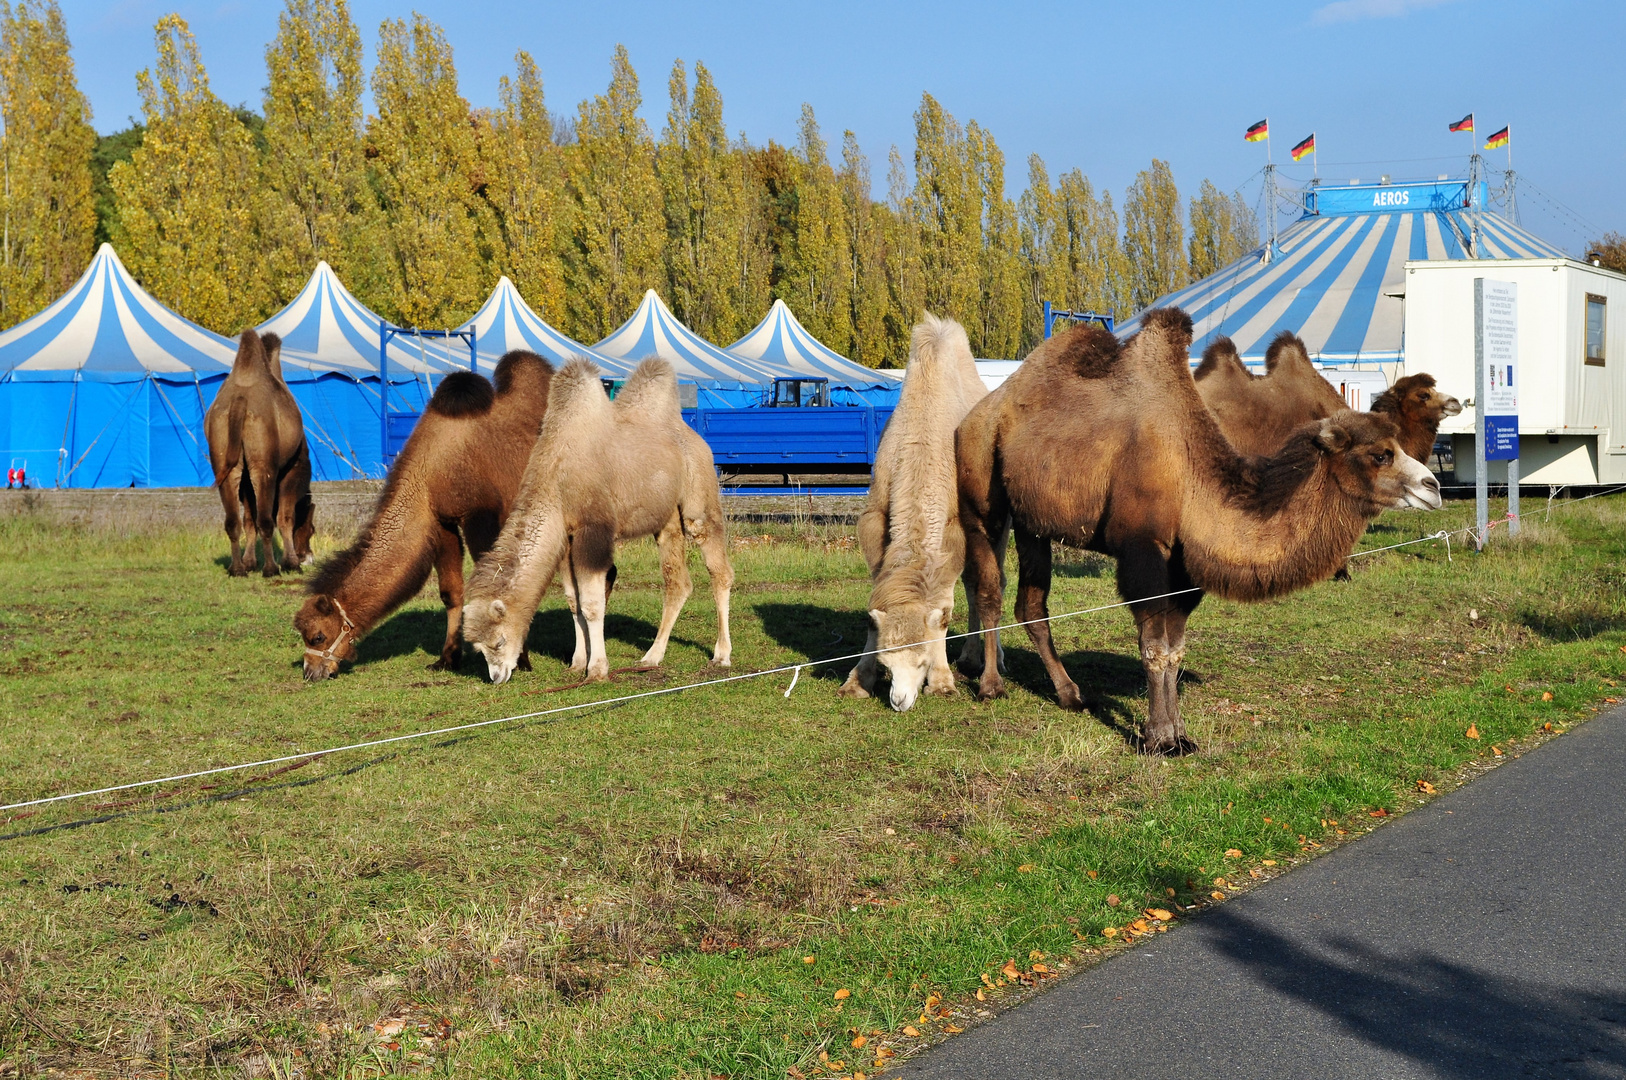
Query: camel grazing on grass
262 467
601 472
1108 446
453 484
910 528
1258 412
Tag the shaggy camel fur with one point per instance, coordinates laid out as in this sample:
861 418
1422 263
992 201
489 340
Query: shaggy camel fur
262 467
1258 412
602 472
1108 446
453 485
1417 409
910 528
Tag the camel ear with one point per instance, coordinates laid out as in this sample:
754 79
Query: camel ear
1332 438
499 610
324 606
936 620
877 617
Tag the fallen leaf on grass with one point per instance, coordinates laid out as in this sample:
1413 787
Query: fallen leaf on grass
807 959
1009 971
932 1002
1497 750
1472 732
1109 931
391 1026
1159 913
794 1073
1093 875
1041 969
953 1029
1546 695
1217 895
986 980
1112 900
1427 788
740 994
911 1031
981 994
1379 812
843 994
1547 727
860 1042
1270 862
1220 882
1025 868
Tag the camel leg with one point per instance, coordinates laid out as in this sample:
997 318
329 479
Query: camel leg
713 539
592 552
1144 569
287 505
265 518
246 497
229 500
1033 603
567 580
864 679
940 677
976 644
676 582
294 513
449 575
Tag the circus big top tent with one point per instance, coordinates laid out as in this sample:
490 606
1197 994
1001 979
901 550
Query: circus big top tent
506 322
782 341
1336 276
723 379
107 387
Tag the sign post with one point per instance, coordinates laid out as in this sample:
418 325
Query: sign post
1496 418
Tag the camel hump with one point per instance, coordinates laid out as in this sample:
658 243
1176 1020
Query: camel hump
462 393
651 388
1087 352
939 343
578 382
251 353
1287 347
1220 356
516 366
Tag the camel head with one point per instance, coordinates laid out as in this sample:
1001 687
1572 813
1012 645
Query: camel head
904 635
330 636
497 632
1416 397
1364 459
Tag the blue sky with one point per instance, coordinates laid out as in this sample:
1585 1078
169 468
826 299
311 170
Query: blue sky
1102 87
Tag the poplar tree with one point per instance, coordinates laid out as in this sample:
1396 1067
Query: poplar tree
1154 240
1044 249
1097 266
866 271
49 203
439 233
947 206
997 330
902 261
314 157
715 253
819 284
526 171
1223 229
618 227
190 198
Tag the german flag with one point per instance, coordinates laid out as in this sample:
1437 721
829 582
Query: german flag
1465 124
1304 148
1259 131
1498 140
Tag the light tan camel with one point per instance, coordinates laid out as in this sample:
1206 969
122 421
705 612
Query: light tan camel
601 472
452 485
262 467
1107 446
910 528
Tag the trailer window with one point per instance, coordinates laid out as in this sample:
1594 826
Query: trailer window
1595 324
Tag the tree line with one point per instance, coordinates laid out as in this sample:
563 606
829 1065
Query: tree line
222 212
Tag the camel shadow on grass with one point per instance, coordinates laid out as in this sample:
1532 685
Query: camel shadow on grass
816 632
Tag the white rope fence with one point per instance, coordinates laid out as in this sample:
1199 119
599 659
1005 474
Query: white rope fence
794 669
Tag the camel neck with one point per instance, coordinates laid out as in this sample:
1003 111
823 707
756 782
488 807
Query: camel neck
395 557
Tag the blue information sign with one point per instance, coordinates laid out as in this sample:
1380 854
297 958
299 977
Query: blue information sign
1501 438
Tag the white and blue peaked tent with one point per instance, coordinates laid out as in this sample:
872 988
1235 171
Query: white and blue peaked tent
107 387
723 379
1336 276
506 322
782 342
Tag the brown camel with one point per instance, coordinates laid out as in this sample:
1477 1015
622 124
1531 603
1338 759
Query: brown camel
602 472
262 467
1108 446
1417 409
1258 412
453 485
910 528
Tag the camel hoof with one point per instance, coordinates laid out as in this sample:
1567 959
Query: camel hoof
596 676
1179 746
989 689
446 663
271 571
523 663
852 689
1070 699
236 571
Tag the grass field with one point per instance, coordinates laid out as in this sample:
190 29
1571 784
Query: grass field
724 882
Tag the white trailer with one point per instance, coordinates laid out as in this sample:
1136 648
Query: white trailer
1572 360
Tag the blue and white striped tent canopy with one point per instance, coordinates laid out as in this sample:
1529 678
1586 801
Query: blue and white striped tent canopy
1337 276
654 331
107 387
109 329
326 330
782 341
506 322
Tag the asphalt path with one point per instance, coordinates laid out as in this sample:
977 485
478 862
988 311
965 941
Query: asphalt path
1483 935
